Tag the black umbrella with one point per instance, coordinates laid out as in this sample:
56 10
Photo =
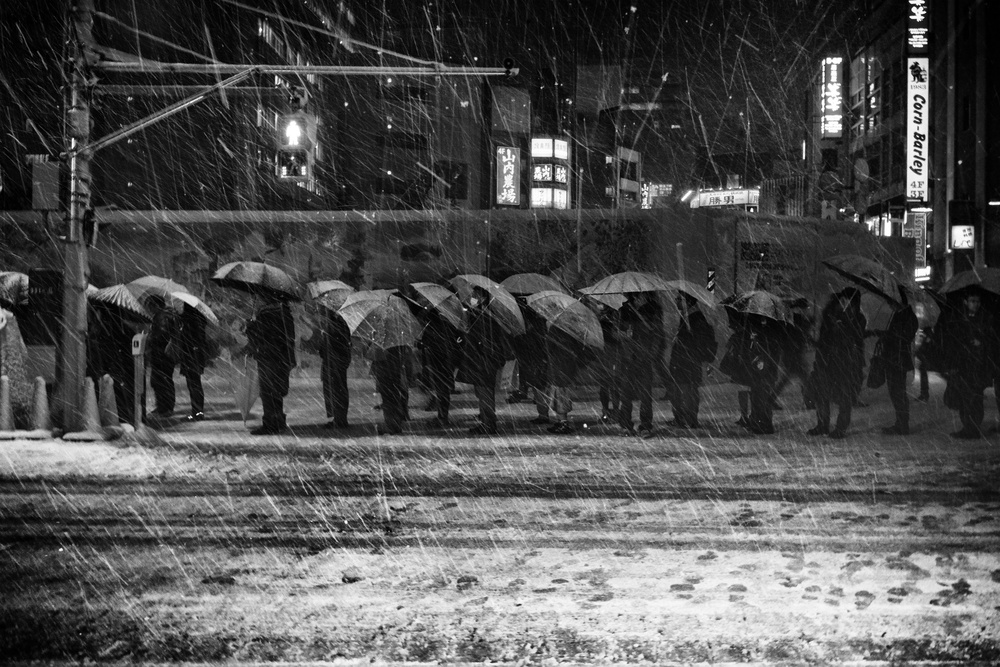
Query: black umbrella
258 278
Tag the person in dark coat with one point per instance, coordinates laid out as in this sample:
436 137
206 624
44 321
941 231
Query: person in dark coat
440 347
533 363
193 347
607 364
693 346
970 345
161 364
839 361
567 356
763 349
272 344
110 346
389 370
335 352
642 342
895 351
487 348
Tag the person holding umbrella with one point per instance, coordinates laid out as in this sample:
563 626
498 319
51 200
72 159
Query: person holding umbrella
839 361
271 335
642 342
486 350
193 347
693 346
161 363
970 346
894 354
335 351
388 366
440 347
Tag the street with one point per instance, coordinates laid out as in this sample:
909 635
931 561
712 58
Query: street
432 546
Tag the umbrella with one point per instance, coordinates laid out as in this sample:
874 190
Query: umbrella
615 301
523 284
121 299
197 304
147 286
258 278
442 300
383 320
570 315
628 282
867 273
758 302
13 289
983 277
693 290
320 287
503 306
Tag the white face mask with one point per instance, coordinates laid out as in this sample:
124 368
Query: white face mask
473 302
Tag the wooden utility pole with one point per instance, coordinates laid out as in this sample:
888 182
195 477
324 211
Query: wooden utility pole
72 357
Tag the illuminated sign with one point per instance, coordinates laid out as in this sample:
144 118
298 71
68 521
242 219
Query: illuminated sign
963 237
561 173
917 26
915 227
541 147
508 176
549 147
549 198
832 98
645 198
726 198
917 129
560 149
542 172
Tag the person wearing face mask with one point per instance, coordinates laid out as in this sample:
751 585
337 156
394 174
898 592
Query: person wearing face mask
971 360
486 350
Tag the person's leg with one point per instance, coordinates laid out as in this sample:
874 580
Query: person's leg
845 405
977 410
197 393
895 381
821 396
681 399
646 401
394 393
326 374
761 407
161 381
441 383
486 397
340 398
540 395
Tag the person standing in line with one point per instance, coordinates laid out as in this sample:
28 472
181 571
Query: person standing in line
110 343
763 349
643 340
921 344
487 348
693 346
970 347
533 362
389 370
566 357
335 351
193 347
272 343
895 351
161 364
608 363
839 361
440 351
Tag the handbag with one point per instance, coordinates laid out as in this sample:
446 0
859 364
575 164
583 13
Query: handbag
876 369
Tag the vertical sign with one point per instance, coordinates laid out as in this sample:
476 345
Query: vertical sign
915 227
832 96
917 100
508 176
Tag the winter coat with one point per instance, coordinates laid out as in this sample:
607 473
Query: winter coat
566 355
486 349
970 348
440 345
335 341
694 345
162 331
272 337
191 342
840 355
530 351
753 353
642 338
897 340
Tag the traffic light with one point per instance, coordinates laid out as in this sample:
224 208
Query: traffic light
296 138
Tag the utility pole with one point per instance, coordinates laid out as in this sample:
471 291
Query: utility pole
72 355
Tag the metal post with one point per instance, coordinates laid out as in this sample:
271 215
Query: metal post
73 357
